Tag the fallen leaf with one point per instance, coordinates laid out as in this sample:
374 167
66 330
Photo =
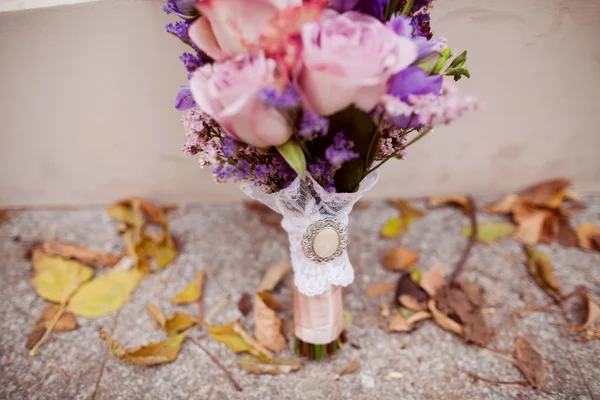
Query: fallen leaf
155 353
277 366
432 280
566 234
179 322
226 334
192 292
588 235
123 211
157 314
66 322
505 206
442 320
379 289
409 294
394 227
490 231
273 276
550 193
529 362
350 368
411 303
540 268
407 211
530 229
592 313
401 324
58 281
105 294
79 253
385 310
418 317
460 201
267 325
287 328
245 304
2 213
162 250
399 259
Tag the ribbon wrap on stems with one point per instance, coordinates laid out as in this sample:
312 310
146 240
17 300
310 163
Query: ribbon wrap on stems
317 290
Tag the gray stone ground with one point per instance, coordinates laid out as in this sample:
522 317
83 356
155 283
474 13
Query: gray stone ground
238 248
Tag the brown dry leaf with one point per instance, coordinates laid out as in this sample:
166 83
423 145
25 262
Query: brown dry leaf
277 366
79 253
226 334
155 353
350 368
432 280
418 317
588 235
411 303
287 328
105 294
529 362
192 292
409 294
179 322
407 210
245 304
540 268
592 313
550 193
394 227
566 234
2 213
265 214
60 279
530 229
460 201
401 324
273 276
505 206
443 321
66 322
267 325
379 289
399 259
157 314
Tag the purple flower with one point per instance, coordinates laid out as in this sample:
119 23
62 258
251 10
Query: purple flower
340 151
322 172
403 27
241 171
284 99
261 171
221 173
418 4
312 126
191 62
421 24
414 80
229 146
374 8
182 8
183 99
179 29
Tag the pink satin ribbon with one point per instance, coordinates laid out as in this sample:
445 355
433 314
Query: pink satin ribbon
318 319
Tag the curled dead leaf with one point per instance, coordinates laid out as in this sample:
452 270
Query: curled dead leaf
350 368
66 322
588 235
550 193
237 339
541 270
273 276
267 325
157 314
531 228
460 201
401 324
277 366
155 353
444 321
245 304
79 253
192 292
529 362
399 259
411 303
591 310
409 294
566 234
406 209
179 322
432 280
379 289
505 206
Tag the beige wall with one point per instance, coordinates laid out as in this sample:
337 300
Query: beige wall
86 110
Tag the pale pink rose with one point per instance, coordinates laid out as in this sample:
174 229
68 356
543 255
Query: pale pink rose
348 59
229 27
227 91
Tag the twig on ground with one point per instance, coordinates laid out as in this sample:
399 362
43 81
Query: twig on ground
548 309
590 276
578 290
493 381
496 354
472 239
218 363
562 323
59 369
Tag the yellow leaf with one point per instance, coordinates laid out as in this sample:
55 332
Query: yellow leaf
491 231
192 292
155 353
166 251
395 226
157 313
273 276
105 294
60 279
226 334
267 325
540 268
41 261
122 213
276 366
178 322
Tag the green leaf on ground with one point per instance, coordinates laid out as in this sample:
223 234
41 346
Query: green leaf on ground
490 231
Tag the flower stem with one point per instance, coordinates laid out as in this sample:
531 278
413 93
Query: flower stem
57 316
408 7
316 351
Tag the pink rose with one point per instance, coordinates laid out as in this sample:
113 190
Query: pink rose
348 59
228 27
227 91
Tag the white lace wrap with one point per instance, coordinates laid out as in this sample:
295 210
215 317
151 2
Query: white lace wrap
301 204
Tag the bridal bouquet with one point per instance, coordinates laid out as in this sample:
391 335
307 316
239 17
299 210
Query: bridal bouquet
301 102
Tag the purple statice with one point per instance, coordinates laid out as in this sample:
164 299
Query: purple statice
261 171
281 100
241 171
229 146
191 62
222 173
374 8
179 29
340 151
421 24
182 8
312 126
184 99
322 172
419 4
284 173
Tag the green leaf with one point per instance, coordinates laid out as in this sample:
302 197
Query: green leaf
359 128
458 72
459 61
293 154
491 231
395 226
